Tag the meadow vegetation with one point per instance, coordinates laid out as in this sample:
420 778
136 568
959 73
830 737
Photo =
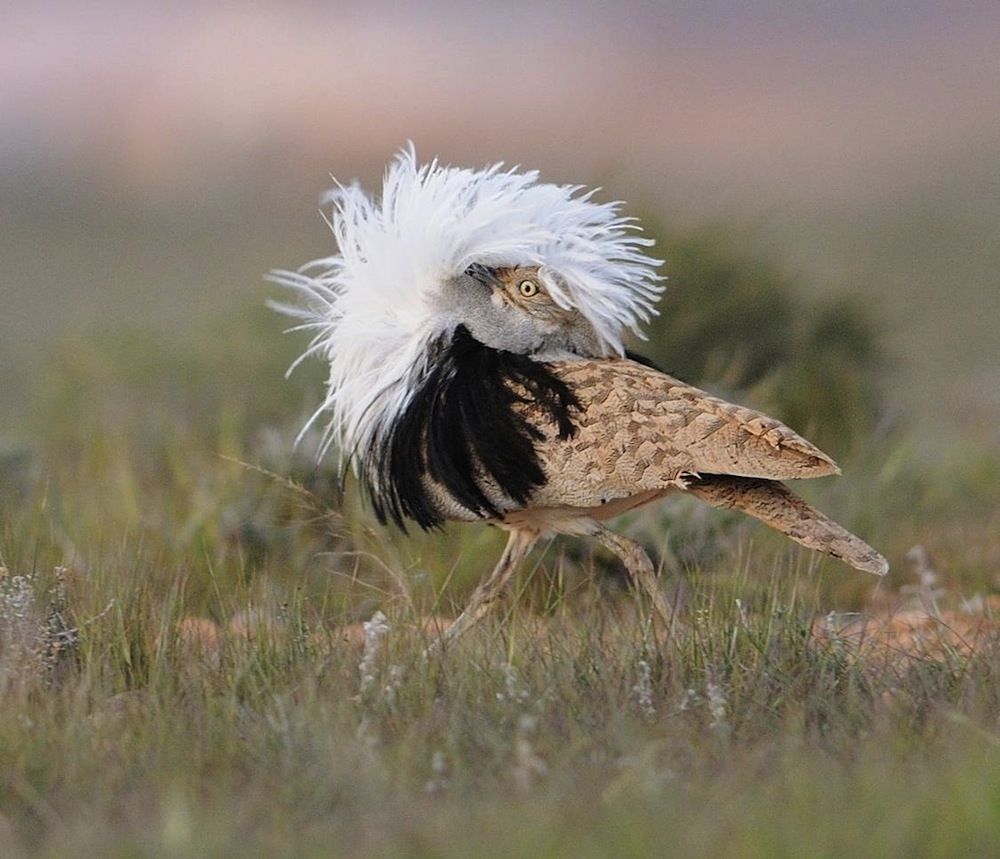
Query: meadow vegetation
209 647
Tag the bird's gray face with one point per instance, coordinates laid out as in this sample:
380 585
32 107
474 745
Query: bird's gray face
508 308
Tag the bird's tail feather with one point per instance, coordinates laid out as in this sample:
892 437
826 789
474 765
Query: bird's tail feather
776 505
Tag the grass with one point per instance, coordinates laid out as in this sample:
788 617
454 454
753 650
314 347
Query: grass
738 737
183 669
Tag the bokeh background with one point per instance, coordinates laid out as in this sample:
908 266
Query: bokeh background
156 159
182 655
183 661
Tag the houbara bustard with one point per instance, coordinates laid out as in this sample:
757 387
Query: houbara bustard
473 322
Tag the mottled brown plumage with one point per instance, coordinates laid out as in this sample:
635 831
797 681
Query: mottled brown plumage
641 434
641 430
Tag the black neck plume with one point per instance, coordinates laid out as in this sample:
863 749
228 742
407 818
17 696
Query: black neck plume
461 423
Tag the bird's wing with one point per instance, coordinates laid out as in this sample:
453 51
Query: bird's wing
640 430
641 433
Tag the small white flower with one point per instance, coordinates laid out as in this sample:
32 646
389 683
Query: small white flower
375 630
515 691
717 706
392 686
643 691
528 766
438 782
689 700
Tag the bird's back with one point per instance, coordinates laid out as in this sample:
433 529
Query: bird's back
641 433
640 430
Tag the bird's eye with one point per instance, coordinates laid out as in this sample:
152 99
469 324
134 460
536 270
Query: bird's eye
528 288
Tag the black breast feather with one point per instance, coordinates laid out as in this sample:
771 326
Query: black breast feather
459 424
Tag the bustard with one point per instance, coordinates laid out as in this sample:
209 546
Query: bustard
473 322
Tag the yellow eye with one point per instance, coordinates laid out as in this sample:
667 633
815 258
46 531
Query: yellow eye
528 288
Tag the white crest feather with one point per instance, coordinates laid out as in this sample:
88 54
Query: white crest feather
370 306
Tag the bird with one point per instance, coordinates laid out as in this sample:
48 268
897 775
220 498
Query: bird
474 323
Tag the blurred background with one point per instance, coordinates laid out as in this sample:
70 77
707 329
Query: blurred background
181 592
157 158
823 179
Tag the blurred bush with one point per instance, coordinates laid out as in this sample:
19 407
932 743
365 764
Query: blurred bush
738 325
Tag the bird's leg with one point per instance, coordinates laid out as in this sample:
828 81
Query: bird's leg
639 567
485 596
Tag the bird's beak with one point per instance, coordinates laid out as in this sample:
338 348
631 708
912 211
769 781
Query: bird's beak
483 275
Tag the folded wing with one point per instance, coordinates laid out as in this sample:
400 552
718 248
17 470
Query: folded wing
640 430
640 433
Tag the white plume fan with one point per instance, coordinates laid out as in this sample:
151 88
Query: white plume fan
371 305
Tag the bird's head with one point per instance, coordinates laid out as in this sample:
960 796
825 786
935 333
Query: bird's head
522 266
509 308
